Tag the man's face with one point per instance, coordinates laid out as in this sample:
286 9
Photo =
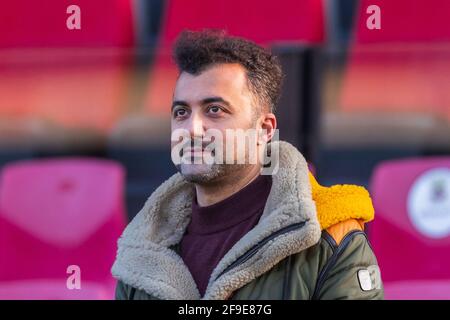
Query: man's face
217 98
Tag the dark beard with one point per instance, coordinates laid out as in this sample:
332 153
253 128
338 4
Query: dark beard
216 173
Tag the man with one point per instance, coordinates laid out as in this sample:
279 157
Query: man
223 230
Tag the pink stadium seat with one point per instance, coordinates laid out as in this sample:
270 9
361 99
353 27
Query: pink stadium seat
417 290
403 66
411 232
77 78
55 214
52 290
263 21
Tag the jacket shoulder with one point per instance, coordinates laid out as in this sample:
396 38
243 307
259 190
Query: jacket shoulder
336 267
351 270
337 232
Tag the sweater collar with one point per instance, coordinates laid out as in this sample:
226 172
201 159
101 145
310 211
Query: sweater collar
231 211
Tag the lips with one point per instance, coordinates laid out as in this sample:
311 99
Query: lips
193 150
197 152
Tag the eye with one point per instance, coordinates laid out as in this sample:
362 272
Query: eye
180 112
214 109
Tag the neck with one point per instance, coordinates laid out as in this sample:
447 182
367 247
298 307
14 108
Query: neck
210 194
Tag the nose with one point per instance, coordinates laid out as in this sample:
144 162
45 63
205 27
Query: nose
196 125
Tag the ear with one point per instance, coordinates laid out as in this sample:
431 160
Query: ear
268 125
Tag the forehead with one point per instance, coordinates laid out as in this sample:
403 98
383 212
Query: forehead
225 80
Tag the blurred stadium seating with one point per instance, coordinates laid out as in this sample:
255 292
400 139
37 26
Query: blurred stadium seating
73 78
411 232
396 81
403 66
387 96
54 214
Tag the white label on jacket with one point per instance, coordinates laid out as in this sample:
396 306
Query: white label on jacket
364 280
370 278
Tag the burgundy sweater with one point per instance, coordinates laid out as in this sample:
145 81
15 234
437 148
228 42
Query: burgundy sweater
214 229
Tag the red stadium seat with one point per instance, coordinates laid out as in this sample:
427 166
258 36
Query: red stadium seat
411 232
404 65
77 78
263 21
55 214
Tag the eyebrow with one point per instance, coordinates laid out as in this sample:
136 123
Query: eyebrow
216 99
203 102
179 103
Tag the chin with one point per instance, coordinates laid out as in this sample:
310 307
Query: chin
200 173
195 169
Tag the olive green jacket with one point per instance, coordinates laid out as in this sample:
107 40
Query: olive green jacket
308 244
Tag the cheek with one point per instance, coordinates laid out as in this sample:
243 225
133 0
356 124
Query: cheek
232 125
178 136
180 125
175 124
246 119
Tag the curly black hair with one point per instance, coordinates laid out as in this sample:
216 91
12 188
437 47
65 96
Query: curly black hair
194 52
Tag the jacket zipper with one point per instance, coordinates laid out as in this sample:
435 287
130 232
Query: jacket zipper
253 250
336 254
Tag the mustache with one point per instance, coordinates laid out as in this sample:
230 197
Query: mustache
198 143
